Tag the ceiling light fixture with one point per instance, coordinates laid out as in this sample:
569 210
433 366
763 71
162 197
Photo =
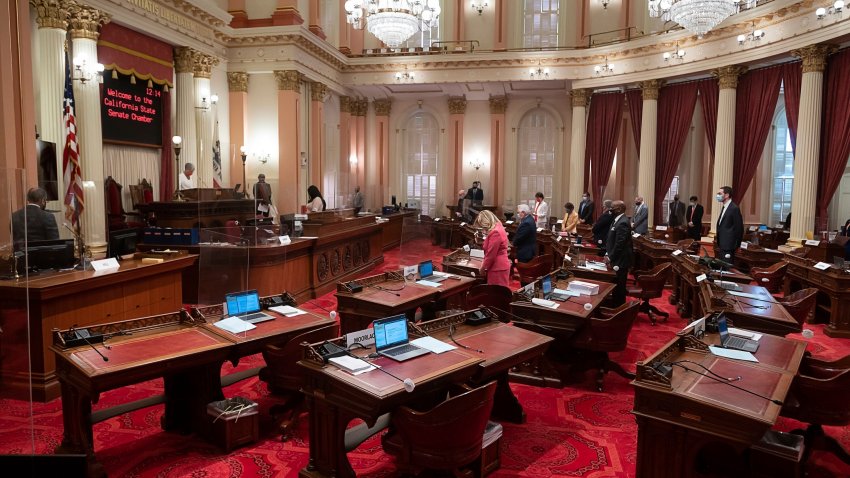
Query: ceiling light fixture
677 54
697 16
604 69
835 9
404 76
754 36
539 73
393 21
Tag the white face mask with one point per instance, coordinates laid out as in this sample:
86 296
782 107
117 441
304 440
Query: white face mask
719 197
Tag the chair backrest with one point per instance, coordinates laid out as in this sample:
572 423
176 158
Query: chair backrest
282 371
530 271
652 282
489 295
113 197
770 277
801 304
610 333
685 244
819 398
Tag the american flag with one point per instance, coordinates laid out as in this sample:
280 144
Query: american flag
73 181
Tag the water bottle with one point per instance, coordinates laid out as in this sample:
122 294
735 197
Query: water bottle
553 229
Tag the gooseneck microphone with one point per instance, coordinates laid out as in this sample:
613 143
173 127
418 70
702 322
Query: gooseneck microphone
467 347
725 380
518 318
84 334
409 385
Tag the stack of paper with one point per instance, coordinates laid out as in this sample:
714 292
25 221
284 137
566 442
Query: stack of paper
234 325
544 303
350 364
492 432
287 310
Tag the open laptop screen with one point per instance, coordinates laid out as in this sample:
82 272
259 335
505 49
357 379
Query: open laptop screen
426 269
390 332
546 285
722 329
246 302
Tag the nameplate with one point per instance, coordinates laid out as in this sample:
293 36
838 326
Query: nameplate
660 228
701 278
509 222
823 266
767 231
539 229
284 240
812 242
558 239
635 235
677 252
753 228
745 245
560 221
409 272
301 217
105 264
462 224
363 337
437 220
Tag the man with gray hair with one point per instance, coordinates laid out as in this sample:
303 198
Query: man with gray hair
186 180
600 227
525 238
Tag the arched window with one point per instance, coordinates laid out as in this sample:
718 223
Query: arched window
540 25
536 155
783 169
420 166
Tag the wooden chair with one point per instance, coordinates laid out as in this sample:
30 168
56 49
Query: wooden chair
607 333
116 218
770 277
285 377
818 396
447 437
801 304
531 270
489 295
650 285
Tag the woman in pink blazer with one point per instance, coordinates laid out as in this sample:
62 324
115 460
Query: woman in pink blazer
496 264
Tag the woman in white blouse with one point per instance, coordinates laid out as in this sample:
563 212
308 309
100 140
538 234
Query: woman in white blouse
316 203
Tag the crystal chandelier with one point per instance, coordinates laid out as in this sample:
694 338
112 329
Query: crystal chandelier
697 16
393 21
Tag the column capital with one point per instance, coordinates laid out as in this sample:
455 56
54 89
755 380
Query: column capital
650 89
814 56
237 81
580 97
382 107
202 64
51 13
288 80
183 59
498 105
728 75
318 91
345 104
86 21
359 107
457 105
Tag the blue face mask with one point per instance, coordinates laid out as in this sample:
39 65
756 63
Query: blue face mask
719 197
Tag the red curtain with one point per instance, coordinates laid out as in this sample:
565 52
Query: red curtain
709 93
603 132
676 105
792 79
755 104
635 100
167 183
835 133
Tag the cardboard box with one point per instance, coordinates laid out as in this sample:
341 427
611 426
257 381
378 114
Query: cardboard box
582 287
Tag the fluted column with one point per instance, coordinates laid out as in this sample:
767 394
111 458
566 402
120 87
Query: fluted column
457 110
648 139
806 157
382 145
290 191
52 18
202 71
237 86
185 124
578 142
85 23
360 108
724 149
498 107
318 93
347 167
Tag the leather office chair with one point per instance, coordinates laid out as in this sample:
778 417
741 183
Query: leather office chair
284 377
447 437
818 396
770 277
685 244
531 270
607 333
650 285
489 295
801 304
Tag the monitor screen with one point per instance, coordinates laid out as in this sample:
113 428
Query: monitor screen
51 254
722 329
426 269
762 228
130 113
243 302
123 242
546 284
390 331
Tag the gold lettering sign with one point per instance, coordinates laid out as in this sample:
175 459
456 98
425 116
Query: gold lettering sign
181 21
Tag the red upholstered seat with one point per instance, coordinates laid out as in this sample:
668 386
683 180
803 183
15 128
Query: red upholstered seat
531 270
650 285
770 277
609 332
801 304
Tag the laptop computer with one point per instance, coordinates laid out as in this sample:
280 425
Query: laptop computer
548 291
731 342
839 262
246 306
426 272
391 339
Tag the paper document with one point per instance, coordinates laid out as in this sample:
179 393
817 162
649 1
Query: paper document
428 283
234 325
432 344
733 354
565 292
263 208
479 253
350 364
544 303
745 334
287 310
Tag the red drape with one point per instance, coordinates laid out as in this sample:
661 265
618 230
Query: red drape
603 132
635 100
835 133
755 104
676 105
166 176
709 93
792 79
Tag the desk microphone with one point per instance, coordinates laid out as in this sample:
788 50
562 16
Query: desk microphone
518 318
409 385
82 335
467 347
384 289
724 380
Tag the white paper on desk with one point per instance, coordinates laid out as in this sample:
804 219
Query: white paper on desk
733 354
428 283
477 253
263 208
745 333
566 292
234 325
350 364
698 327
432 344
105 264
544 303
822 266
287 310
509 222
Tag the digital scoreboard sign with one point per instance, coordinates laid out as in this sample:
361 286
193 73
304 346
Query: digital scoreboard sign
131 113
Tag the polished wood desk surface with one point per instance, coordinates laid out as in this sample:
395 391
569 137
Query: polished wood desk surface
834 300
686 269
763 314
753 255
573 307
460 262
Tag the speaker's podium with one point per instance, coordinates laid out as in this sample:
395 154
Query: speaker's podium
201 208
209 194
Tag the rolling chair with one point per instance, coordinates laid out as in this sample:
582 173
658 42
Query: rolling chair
801 304
770 277
531 270
650 285
607 333
489 295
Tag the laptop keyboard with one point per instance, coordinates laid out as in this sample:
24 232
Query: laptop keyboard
254 316
402 349
736 342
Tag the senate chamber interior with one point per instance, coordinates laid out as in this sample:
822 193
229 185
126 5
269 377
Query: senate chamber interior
334 238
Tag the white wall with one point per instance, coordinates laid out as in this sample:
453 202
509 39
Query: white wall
476 146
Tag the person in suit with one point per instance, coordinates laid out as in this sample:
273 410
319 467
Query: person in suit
730 225
585 209
619 251
525 237
32 222
787 224
601 226
358 201
496 265
694 215
640 221
571 219
263 195
677 213
475 194
541 211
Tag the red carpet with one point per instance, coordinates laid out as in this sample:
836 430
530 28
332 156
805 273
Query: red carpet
574 431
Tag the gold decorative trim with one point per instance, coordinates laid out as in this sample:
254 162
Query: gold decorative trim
580 97
345 104
457 105
814 56
51 13
183 59
135 53
288 80
203 64
140 76
359 107
650 89
86 21
728 75
237 81
498 105
318 91
382 107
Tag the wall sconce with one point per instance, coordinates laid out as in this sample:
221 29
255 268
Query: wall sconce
263 157
204 107
539 73
604 69
353 159
243 151
754 36
835 9
605 4
477 164
85 71
676 55
479 5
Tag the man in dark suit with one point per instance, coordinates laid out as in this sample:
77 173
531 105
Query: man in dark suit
694 216
619 247
677 213
600 227
32 222
730 225
475 194
585 209
525 237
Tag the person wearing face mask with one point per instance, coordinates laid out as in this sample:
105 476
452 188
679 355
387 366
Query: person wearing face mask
600 227
570 219
619 251
32 222
694 216
585 209
640 220
730 225
541 211
677 213
525 237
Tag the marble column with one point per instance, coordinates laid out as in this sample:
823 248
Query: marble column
237 86
318 93
315 23
648 140
457 110
347 167
84 25
359 111
724 149
184 61
578 143
52 18
202 71
382 148
498 107
807 155
290 192
344 30
286 13
500 39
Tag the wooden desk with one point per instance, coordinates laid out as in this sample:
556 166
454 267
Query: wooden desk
651 252
670 234
756 256
764 314
770 238
459 262
393 229
204 213
389 294
686 268
688 420
59 300
833 300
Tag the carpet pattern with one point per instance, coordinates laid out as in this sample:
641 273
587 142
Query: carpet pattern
574 431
